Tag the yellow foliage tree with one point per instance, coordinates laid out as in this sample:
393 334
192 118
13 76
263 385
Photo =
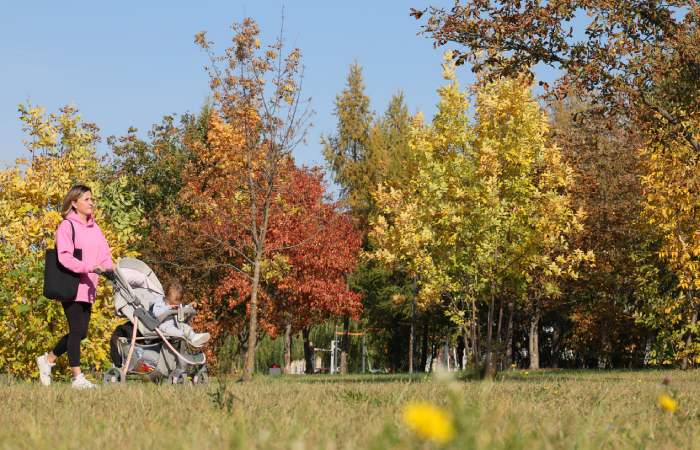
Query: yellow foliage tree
31 193
486 212
672 190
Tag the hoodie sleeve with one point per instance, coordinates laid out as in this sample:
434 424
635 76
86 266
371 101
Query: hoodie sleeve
65 247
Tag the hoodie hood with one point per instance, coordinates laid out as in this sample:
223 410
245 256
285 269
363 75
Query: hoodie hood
75 218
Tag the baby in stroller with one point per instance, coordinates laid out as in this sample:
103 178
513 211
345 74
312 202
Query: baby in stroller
174 326
156 340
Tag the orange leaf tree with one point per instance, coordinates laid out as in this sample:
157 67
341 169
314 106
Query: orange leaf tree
256 121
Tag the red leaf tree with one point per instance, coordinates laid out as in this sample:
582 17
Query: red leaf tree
320 246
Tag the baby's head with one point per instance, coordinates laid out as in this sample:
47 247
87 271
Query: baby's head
174 294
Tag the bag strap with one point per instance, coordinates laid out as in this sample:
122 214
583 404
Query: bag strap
72 229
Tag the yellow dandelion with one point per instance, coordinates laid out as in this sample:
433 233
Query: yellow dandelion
667 403
429 422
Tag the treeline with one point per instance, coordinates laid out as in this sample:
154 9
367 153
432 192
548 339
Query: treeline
507 230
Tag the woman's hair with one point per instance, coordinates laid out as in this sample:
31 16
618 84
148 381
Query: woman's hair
73 195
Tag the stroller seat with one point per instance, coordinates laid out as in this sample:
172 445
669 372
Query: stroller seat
136 289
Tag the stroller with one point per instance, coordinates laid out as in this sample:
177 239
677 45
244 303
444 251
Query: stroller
151 354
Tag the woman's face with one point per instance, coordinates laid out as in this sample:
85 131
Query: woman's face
84 205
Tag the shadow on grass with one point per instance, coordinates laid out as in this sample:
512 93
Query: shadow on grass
579 375
357 378
469 376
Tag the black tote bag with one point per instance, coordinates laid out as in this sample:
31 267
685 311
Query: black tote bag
60 283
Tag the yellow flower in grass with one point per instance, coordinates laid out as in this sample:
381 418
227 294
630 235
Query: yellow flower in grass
429 422
667 403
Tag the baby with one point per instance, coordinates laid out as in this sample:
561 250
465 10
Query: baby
161 304
171 326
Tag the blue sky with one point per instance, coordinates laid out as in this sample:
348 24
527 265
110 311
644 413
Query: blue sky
128 63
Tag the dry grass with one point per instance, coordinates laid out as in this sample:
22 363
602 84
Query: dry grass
548 409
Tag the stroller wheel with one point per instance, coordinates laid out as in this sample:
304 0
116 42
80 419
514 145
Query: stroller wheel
180 378
201 376
112 376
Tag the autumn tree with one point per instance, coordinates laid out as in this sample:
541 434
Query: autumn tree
347 151
487 206
257 119
616 57
62 148
366 149
318 248
154 166
599 321
637 64
672 189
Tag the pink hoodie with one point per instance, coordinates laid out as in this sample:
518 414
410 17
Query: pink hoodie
96 251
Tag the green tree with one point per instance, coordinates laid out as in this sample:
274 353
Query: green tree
347 151
485 208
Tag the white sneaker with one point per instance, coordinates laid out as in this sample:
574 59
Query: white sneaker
44 369
198 339
80 382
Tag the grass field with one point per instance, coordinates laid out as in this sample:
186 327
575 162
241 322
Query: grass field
544 409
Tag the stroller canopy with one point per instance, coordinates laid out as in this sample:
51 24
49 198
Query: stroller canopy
136 274
136 285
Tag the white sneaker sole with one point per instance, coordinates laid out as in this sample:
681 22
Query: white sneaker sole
85 384
43 378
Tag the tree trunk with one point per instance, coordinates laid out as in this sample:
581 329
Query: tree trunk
476 351
689 339
447 354
240 352
308 351
424 347
344 346
500 321
288 348
467 347
490 369
556 344
534 341
605 350
460 352
364 351
433 355
499 337
509 334
249 366
412 337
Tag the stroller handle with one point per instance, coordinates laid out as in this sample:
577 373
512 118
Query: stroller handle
109 274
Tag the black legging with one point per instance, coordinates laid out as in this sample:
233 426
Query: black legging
78 315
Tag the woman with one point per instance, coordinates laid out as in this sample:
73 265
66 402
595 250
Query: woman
77 212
